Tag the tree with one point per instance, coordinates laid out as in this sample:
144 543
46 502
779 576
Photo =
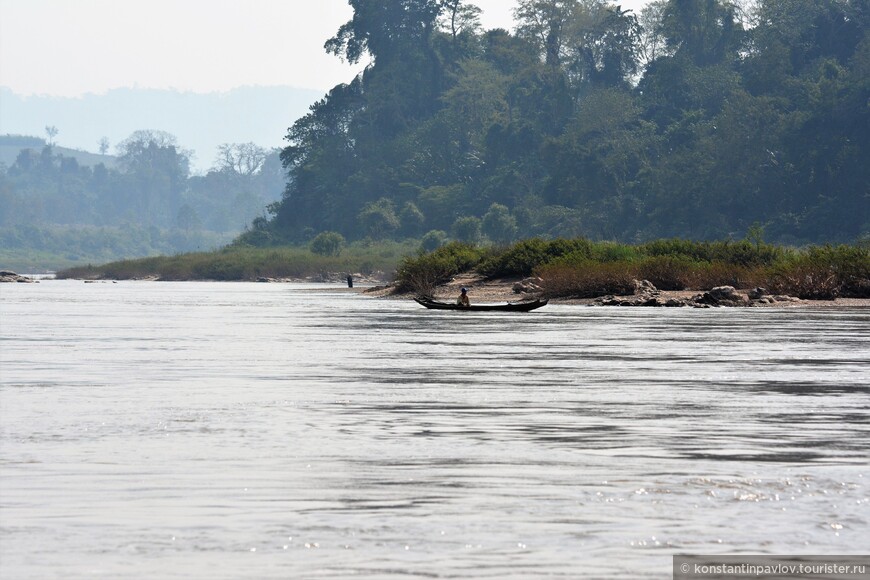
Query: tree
467 229
558 129
379 219
653 43
188 219
603 45
384 28
245 159
459 18
156 170
104 145
499 225
25 161
544 22
411 219
705 31
132 150
433 240
327 244
319 160
477 100
440 204
543 91
52 132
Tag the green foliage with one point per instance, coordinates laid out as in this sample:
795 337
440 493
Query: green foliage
245 263
379 218
561 124
499 225
743 253
614 252
433 240
579 267
422 273
327 244
825 273
467 230
86 212
441 204
522 258
28 248
412 219
579 123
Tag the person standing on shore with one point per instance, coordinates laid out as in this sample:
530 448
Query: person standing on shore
463 298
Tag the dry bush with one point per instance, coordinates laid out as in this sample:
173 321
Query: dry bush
587 280
667 272
807 281
713 274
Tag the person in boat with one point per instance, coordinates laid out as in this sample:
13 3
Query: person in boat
463 298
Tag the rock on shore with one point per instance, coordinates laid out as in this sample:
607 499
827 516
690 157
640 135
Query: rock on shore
8 276
646 294
484 290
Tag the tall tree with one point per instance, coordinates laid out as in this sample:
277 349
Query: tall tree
52 132
603 45
244 159
545 22
705 31
384 28
459 17
653 43
157 170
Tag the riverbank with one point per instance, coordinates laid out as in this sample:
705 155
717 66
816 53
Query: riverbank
483 290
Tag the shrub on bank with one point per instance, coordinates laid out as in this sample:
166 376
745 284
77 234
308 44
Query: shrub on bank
522 258
245 263
824 273
569 267
742 253
669 272
582 268
587 280
327 244
421 274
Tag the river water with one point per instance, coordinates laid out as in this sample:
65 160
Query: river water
232 430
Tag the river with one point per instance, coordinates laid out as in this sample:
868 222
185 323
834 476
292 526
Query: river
235 430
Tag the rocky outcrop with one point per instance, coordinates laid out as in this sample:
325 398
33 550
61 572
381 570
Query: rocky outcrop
760 296
721 296
646 294
8 276
528 286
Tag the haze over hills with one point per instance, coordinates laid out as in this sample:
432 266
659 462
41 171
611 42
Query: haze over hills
200 121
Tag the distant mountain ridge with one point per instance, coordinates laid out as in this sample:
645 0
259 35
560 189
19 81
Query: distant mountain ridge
200 121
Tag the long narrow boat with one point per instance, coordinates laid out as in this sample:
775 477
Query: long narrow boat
509 307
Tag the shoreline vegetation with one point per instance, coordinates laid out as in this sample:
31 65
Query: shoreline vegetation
561 269
369 261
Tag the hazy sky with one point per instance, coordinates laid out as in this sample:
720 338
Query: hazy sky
72 47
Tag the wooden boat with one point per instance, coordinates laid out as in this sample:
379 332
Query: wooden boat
509 307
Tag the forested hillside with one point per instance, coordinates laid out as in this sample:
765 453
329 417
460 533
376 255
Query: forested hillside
56 211
697 118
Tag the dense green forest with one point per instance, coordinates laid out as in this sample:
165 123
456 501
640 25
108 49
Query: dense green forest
56 211
702 119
